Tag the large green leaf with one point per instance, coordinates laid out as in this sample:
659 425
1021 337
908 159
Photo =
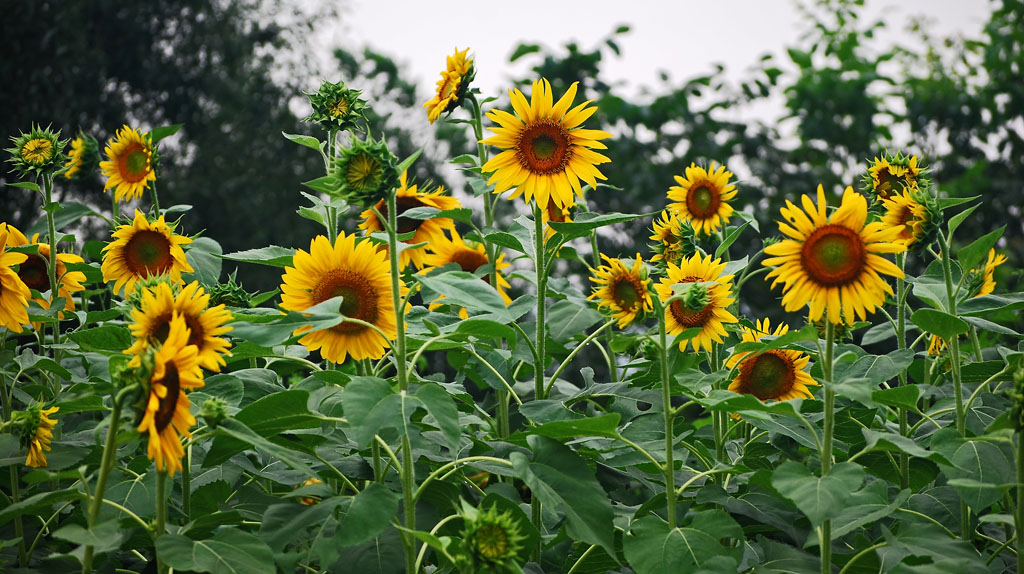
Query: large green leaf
370 405
230 551
273 255
368 515
566 319
266 417
819 498
563 481
234 429
204 256
939 323
442 408
588 221
973 254
654 548
981 469
464 289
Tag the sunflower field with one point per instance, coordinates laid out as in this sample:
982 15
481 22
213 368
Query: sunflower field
477 382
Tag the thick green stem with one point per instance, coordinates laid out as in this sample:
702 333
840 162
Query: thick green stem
156 198
106 463
539 368
161 515
1018 515
666 398
186 484
901 343
825 543
19 529
595 254
409 503
52 263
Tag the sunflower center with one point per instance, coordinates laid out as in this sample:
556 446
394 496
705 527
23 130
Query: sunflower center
340 109
360 298
833 255
148 253
37 151
403 204
492 541
703 201
169 403
543 147
769 375
33 273
626 292
364 173
450 87
134 163
470 260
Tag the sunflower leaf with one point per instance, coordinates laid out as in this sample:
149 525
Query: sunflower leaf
973 254
303 140
407 162
653 548
163 132
938 323
272 255
818 498
230 551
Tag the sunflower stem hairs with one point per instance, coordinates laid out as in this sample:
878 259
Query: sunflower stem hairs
451 88
38 153
336 107
702 197
832 260
130 165
546 152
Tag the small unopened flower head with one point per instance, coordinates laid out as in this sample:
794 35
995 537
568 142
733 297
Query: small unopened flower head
39 152
214 411
84 157
35 429
367 172
674 240
149 283
890 175
336 107
231 294
491 541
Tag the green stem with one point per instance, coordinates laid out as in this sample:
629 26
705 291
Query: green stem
19 529
901 343
156 198
613 372
825 542
666 398
862 553
161 515
1018 515
409 503
106 463
539 368
52 263
574 352
186 484
378 474
976 343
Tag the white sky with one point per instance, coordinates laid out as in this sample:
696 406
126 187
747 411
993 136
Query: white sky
683 38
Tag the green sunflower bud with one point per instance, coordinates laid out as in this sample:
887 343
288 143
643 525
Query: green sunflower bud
890 174
231 294
84 157
491 542
366 172
39 152
214 411
335 107
927 231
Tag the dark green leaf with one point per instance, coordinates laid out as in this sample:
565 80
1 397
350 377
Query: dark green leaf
273 255
230 551
307 141
818 498
939 323
163 132
654 548
368 515
442 407
204 256
973 254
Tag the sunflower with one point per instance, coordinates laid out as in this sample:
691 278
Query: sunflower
336 107
74 164
452 86
832 260
129 165
702 197
936 345
546 152
33 271
903 209
36 153
167 416
14 294
775 374
469 257
706 311
142 250
556 213
674 239
889 175
356 271
366 172
37 433
159 305
624 291
427 230
988 285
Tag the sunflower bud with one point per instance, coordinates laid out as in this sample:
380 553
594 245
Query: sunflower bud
335 107
890 175
149 283
39 152
214 411
84 157
453 85
491 542
675 240
231 294
35 429
695 296
367 172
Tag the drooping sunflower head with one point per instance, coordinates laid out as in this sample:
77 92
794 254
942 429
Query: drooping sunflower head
130 164
833 260
166 415
674 240
623 291
985 278
144 249
558 214
775 374
704 306
336 107
890 175
919 214
14 294
426 230
702 197
159 306
491 541
34 271
36 430
360 274
545 151
83 158
367 172
452 86
471 257
40 151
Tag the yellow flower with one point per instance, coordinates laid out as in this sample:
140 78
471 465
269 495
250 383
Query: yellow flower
33 271
902 209
74 164
707 312
167 416
558 214
359 273
159 305
776 374
14 294
674 239
129 165
624 291
890 175
39 437
702 197
988 285
833 260
469 258
452 85
142 250
37 151
309 500
546 153
427 230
